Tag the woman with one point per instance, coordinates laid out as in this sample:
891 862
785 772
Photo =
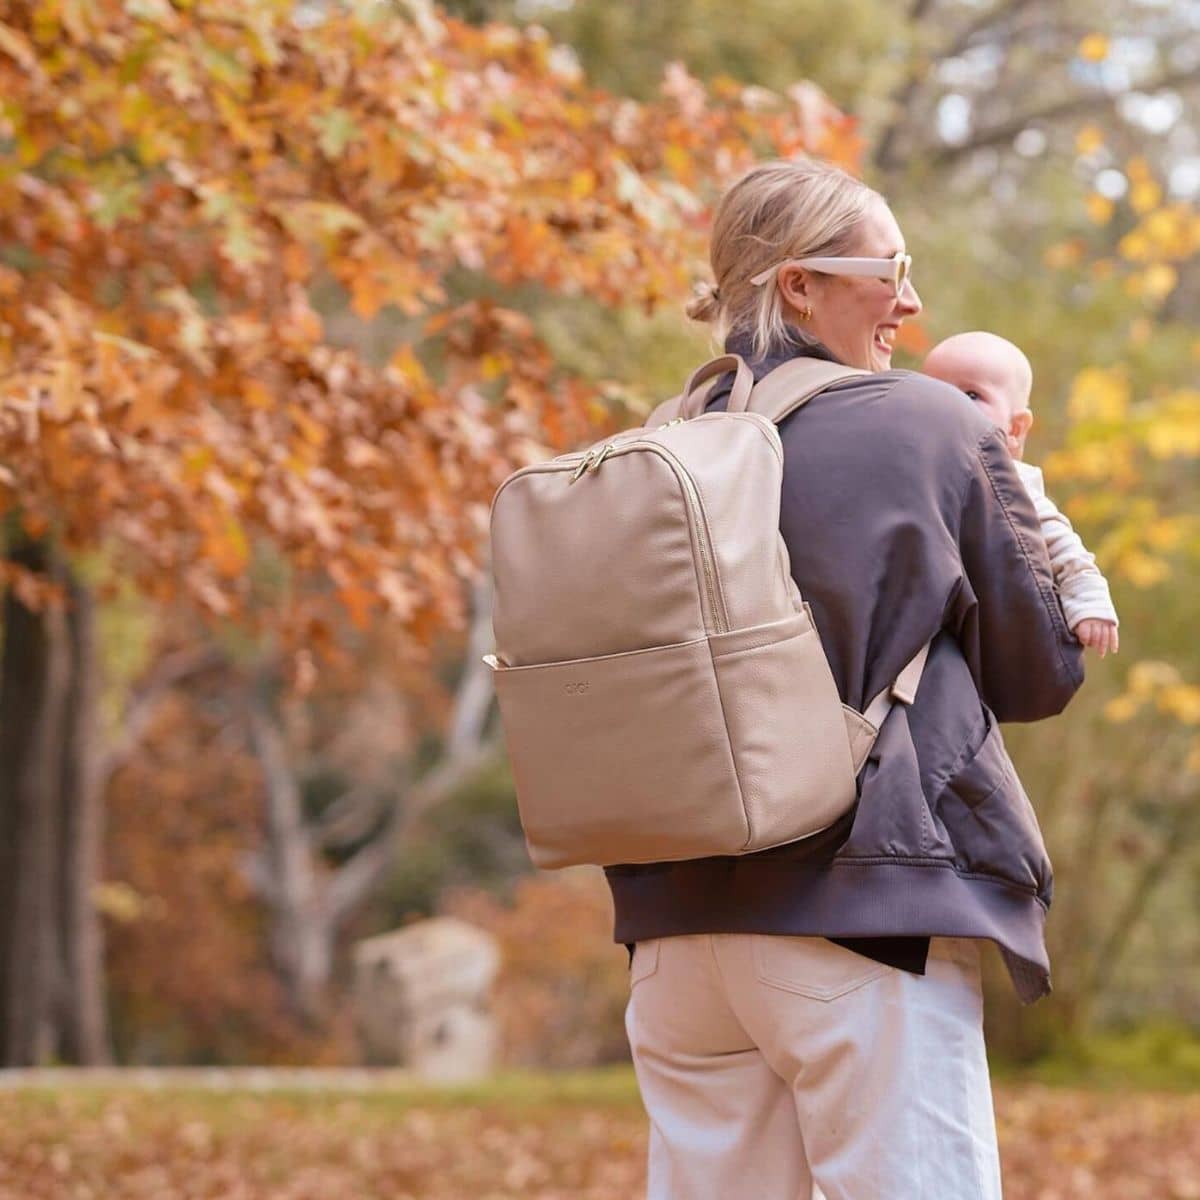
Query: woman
812 1013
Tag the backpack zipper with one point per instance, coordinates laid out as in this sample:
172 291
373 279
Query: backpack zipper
708 558
596 455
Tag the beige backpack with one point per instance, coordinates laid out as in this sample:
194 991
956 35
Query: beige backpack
663 691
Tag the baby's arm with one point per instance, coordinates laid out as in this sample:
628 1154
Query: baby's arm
1081 586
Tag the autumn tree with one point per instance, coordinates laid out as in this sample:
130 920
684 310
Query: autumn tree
176 183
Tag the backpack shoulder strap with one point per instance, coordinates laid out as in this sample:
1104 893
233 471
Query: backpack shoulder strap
793 384
691 401
790 386
903 691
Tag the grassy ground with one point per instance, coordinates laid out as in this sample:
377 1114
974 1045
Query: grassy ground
533 1137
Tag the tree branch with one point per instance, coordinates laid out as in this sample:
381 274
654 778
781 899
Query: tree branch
169 672
466 752
347 819
1085 102
885 158
353 881
287 857
1155 871
473 698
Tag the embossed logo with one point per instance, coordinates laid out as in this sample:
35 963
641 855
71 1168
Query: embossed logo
576 689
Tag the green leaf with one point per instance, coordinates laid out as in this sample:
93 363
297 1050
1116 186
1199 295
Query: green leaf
335 129
116 202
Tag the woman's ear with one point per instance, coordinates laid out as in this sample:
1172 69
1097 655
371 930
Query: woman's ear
795 286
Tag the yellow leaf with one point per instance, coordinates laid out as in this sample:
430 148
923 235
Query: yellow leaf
1159 281
196 460
313 432
1099 208
583 183
1138 169
1098 394
257 394
1121 708
1164 534
1170 230
405 363
366 295
1088 139
1182 701
119 901
1093 48
678 161
226 548
492 366
1143 571
1145 195
1150 674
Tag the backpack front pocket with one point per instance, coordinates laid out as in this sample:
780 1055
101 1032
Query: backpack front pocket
622 758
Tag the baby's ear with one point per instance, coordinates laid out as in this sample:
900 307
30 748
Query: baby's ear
1020 423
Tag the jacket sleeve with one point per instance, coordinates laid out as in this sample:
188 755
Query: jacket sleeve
1025 661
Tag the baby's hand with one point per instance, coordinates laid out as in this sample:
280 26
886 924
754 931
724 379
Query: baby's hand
1100 635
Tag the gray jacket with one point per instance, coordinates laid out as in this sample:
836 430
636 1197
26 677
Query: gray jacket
905 518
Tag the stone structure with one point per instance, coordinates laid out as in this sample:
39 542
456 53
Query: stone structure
421 999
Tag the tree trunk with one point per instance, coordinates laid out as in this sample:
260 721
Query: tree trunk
33 682
82 1017
300 940
310 901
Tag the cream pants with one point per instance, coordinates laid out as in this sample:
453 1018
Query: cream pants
784 1068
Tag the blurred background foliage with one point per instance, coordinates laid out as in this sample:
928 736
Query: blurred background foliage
1043 160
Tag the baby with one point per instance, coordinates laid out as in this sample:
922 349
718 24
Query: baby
997 377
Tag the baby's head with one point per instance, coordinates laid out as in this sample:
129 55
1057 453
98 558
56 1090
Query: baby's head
995 375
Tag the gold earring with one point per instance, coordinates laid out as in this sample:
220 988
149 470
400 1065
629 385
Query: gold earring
806 313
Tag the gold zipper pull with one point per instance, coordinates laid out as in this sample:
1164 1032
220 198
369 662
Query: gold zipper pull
583 465
605 450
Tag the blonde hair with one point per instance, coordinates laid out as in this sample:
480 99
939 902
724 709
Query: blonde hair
783 208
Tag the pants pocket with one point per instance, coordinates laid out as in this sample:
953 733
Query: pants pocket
812 967
645 961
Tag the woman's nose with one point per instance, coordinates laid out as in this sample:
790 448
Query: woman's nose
910 301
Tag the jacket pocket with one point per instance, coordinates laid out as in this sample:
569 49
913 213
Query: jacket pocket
812 967
991 823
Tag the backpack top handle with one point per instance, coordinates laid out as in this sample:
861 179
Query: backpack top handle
692 403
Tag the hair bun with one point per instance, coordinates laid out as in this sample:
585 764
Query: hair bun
705 303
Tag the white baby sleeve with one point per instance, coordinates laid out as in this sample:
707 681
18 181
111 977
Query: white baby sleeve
1081 586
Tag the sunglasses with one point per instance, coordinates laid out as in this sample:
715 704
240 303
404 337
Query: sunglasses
897 270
